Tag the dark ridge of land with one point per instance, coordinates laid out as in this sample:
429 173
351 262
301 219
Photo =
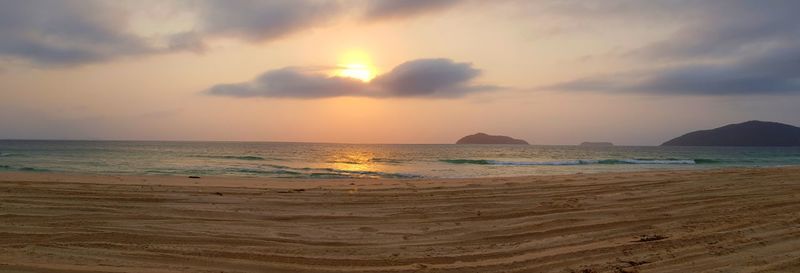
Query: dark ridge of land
751 133
481 138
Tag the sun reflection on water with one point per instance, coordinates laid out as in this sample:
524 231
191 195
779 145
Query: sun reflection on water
354 161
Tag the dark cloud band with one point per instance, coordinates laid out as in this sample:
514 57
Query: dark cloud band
386 9
73 32
417 78
64 32
776 71
725 47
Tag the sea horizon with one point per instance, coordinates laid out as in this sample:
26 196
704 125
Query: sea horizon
343 160
302 142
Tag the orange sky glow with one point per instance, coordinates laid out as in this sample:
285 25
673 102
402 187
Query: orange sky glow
549 72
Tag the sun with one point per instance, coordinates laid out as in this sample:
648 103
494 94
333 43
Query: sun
355 64
360 72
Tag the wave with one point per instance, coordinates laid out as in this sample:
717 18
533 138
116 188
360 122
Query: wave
334 173
469 161
31 169
328 175
351 162
276 166
669 161
237 157
371 160
546 163
648 161
22 169
706 161
257 171
386 160
280 171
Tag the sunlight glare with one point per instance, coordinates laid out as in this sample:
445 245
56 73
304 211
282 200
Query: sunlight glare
357 65
356 71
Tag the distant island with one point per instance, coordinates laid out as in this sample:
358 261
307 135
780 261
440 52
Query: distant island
481 138
596 144
751 133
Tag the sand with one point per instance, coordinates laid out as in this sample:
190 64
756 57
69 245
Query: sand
733 220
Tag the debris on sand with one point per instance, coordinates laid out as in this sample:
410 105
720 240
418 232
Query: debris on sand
292 191
629 266
634 263
650 238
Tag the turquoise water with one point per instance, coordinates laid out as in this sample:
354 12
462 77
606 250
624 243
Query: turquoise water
311 160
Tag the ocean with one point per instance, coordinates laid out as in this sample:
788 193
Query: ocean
318 160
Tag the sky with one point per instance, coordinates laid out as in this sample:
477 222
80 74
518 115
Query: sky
394 71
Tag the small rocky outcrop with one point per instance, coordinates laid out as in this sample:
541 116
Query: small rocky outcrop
481 138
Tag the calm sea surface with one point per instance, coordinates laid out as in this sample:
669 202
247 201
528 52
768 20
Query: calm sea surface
310 160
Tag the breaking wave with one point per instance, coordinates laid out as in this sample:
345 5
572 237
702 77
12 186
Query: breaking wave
669 161
237 157
31 169
469 161
371 160
280 172
334 173
261 172
22 169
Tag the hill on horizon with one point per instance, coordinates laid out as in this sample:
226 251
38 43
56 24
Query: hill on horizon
750 133
482 138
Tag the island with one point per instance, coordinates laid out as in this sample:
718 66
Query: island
481 138
596 144
751 133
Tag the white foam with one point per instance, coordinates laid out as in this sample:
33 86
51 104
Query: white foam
545 163
591 161
656 161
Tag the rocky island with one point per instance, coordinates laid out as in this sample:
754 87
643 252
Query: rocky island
481 138
751 133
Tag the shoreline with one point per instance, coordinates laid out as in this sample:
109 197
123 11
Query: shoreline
735 219
278 182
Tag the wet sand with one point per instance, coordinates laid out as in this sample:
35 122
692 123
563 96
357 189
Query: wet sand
733 220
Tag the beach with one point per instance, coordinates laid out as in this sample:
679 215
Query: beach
721 220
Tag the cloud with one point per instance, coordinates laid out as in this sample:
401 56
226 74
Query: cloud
292 82
186 41
417 78
438 77
729 27
722 47
74 32
776 71
385 9
65 32
261 20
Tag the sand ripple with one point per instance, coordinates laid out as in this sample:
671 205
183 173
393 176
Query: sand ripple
745 220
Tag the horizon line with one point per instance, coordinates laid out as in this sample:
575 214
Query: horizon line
280 141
